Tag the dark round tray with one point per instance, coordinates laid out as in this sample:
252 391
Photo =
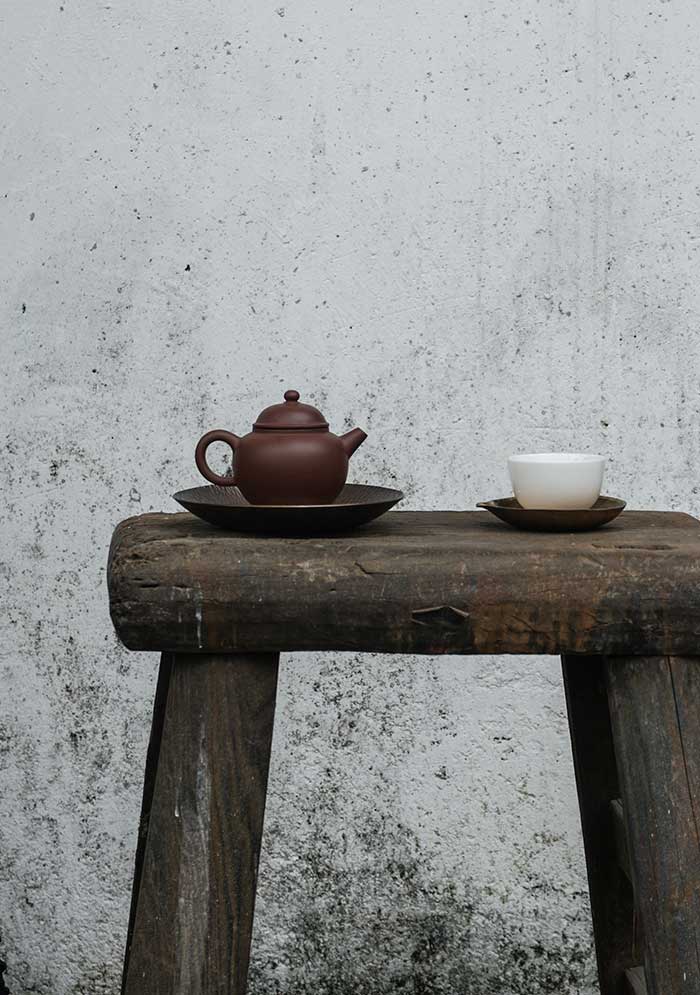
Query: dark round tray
226 507
545 520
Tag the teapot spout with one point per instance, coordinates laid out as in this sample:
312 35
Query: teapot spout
351 440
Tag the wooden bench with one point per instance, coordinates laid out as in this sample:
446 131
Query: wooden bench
620 605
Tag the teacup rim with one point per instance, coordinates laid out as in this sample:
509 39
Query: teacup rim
560 458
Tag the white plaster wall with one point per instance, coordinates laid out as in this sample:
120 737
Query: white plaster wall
469 227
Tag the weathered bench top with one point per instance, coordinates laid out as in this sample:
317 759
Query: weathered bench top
412 582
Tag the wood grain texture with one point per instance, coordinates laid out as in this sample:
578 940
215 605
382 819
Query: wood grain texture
635 981
419 582
655 713
597 784
620 835
194 909
157 722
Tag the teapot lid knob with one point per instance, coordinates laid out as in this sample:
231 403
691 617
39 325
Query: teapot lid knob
291 395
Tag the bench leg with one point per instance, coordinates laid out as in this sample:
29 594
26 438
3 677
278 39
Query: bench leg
159 705
655 713
202 819
596 781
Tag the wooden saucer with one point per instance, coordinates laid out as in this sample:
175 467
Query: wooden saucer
226 507
546 520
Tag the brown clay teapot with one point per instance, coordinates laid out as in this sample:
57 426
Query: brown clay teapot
290 457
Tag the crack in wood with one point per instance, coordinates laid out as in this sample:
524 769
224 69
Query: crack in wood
646 547
369 572
441 617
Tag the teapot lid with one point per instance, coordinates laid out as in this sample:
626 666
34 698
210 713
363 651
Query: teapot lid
290 414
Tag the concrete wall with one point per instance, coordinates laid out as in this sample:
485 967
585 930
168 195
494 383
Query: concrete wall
470 227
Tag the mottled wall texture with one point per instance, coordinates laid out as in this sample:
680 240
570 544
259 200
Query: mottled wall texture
471 227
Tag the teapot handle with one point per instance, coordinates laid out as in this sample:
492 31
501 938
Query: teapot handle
200 455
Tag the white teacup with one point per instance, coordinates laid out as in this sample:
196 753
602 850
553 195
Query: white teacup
564 481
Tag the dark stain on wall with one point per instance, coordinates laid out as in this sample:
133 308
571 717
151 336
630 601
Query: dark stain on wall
4 990
386 921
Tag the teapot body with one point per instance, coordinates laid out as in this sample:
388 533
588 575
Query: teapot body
290 457
291 467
